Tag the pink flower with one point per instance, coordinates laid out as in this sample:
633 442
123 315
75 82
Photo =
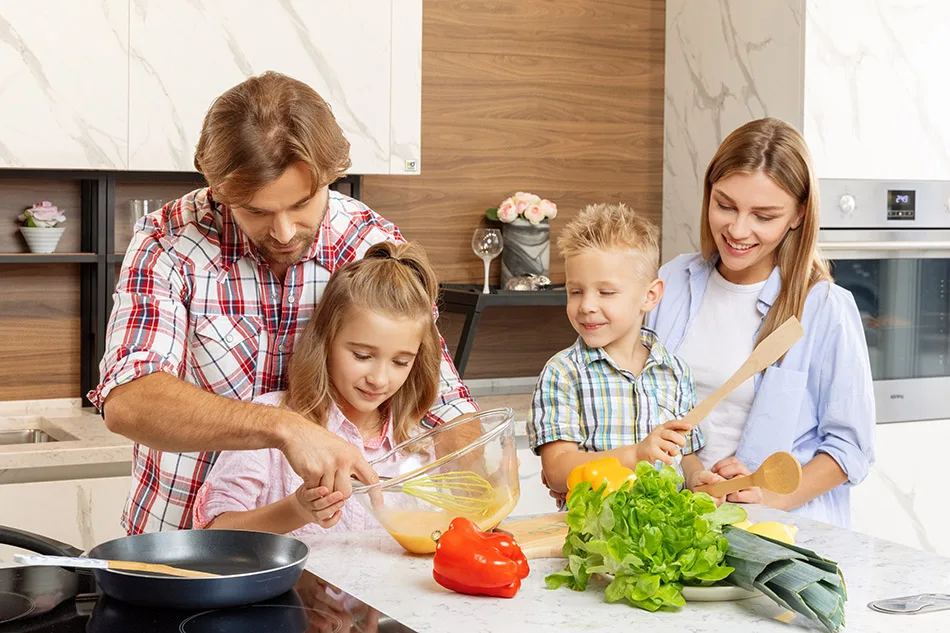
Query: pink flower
549 209
507 211
534 214
43 214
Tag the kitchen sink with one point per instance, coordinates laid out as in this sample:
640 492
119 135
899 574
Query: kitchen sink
24 436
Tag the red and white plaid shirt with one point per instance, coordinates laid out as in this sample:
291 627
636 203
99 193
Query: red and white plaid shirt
195 299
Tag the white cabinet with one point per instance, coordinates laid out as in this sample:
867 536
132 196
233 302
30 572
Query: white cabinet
534 494
125 84
80 512
64 84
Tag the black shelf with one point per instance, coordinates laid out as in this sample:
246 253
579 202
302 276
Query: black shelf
48 258
98 259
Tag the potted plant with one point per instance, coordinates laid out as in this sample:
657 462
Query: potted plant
41 226
526 233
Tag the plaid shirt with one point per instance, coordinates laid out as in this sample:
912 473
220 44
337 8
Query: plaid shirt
196 300
583 396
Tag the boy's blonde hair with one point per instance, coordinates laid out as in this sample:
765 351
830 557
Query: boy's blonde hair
613 227
395 280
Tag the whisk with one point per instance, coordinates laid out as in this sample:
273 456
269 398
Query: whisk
465 491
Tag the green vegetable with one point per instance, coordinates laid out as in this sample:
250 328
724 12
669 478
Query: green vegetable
649 536
794 577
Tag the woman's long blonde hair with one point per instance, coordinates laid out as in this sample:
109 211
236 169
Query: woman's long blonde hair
775 148
395 280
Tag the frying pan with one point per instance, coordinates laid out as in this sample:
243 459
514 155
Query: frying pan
254 566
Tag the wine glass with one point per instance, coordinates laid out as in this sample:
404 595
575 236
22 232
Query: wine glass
487 244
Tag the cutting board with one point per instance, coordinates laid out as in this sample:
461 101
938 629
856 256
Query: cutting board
539 537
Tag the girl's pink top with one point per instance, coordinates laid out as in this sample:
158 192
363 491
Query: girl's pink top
245 480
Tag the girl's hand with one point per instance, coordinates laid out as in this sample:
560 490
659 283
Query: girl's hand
704 478
731 467
319 505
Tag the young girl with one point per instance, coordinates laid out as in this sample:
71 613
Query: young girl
367 368
759 265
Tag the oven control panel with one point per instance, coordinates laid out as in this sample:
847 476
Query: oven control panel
872 204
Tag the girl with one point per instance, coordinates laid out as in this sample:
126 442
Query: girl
759 265
367 368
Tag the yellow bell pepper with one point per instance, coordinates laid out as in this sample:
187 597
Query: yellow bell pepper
599 471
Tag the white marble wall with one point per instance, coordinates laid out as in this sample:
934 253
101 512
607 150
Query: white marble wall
904 498
877 88
64 84
727 63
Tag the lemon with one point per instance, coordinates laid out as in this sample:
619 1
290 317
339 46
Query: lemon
743 525
775 530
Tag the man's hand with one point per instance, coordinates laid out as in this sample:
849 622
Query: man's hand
663 443
322 458
319 505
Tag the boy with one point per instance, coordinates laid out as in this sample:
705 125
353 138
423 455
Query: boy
617 391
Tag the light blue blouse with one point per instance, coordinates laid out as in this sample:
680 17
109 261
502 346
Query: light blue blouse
819 399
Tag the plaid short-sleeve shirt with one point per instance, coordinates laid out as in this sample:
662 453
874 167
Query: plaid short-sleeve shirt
195 299
583 396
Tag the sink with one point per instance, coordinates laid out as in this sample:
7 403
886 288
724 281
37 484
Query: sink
25 436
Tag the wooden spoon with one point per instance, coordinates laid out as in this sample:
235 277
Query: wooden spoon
99 563
780 472
764 354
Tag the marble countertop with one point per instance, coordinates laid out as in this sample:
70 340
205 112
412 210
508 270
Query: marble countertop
81 436
372 567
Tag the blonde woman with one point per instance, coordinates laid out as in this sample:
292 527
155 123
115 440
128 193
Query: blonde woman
366 367
760 265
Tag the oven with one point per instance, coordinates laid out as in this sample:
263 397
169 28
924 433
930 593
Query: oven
889 245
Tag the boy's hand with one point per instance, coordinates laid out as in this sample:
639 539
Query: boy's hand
319 505
704 478
663 443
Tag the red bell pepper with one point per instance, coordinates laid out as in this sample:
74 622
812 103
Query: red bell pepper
470 561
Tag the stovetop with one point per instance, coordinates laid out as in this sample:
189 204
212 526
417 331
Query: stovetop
312 606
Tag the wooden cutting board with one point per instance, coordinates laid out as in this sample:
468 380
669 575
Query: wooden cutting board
539 537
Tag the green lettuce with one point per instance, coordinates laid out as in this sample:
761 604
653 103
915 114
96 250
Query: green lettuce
649 536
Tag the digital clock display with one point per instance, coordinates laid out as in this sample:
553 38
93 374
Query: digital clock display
901 204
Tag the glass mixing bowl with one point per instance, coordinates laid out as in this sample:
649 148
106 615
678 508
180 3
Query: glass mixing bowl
466 467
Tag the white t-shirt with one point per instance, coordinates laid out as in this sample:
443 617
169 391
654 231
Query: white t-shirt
719 340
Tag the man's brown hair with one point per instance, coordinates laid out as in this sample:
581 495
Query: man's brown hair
256 130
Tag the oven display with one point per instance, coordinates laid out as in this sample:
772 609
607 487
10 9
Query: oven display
901 204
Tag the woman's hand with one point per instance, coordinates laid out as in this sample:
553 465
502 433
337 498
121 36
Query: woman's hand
319 505
731 467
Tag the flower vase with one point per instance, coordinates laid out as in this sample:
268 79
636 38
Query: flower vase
527 249
42 239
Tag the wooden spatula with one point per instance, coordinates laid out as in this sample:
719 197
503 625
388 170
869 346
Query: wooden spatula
780 472
764 354
539 537
98 563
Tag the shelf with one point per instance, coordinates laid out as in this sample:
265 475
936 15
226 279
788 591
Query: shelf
115 258
48 258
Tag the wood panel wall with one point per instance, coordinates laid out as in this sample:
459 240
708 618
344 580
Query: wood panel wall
562 98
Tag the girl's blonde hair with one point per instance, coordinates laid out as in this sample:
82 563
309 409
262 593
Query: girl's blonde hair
395 280
775 148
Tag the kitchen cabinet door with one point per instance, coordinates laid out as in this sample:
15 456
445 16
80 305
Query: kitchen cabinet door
80 512
64 84
184 54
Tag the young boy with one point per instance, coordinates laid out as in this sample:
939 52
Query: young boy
617 391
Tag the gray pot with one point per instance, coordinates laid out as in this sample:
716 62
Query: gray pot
527 249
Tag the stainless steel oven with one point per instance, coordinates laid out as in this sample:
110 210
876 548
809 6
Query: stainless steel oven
889 244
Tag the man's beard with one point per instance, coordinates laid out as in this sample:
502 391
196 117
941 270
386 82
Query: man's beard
301 246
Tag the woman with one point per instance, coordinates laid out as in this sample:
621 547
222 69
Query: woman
760 265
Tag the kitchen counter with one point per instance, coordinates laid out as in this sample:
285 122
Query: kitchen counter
372 567
83 443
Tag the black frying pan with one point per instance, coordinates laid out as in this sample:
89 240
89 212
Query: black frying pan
254 566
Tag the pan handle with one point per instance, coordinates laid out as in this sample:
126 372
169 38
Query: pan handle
36 543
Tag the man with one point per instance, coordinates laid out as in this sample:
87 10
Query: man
215 288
